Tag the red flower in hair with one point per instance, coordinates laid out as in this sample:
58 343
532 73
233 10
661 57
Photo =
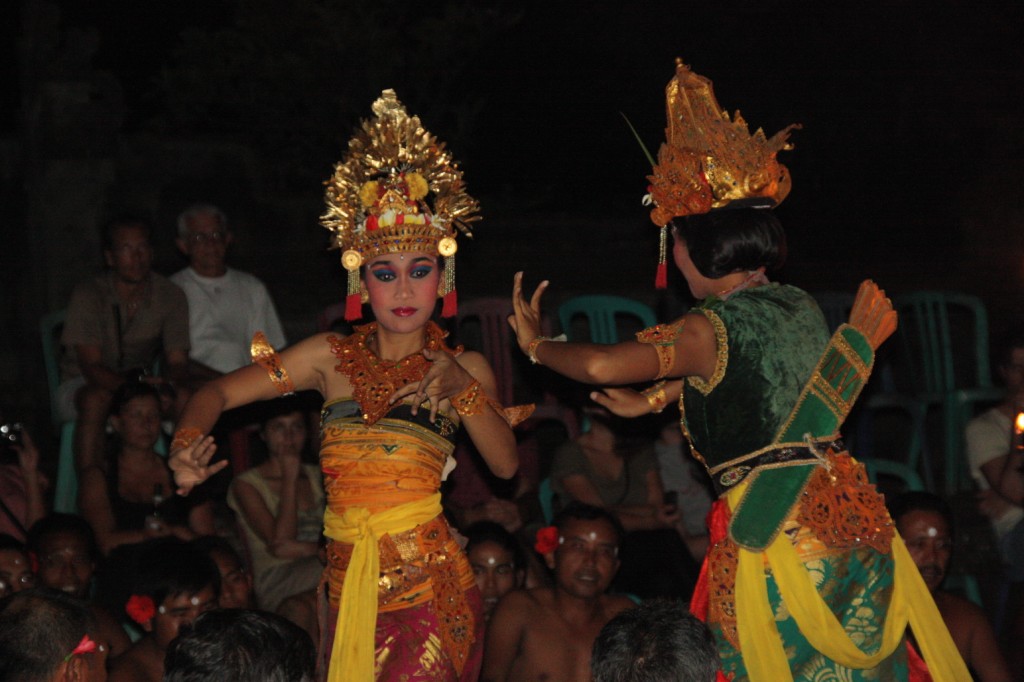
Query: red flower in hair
547 540
140 608
85 646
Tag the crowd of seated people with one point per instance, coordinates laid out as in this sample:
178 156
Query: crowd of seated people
147 575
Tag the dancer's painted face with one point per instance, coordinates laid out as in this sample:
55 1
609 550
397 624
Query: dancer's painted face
403 289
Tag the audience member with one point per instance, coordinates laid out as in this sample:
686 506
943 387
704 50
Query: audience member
241 646
688 485
48 636
66 554
280 506
658 641
174 582
225 306
610 467
132 498
21 483
498 562
995 466
117 325
582 549
236 588
925 522
15 568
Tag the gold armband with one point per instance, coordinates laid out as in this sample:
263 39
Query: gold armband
656 397
470 401
264 355
663 338
183 438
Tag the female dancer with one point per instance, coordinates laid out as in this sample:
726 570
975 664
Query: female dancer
401 595
805 577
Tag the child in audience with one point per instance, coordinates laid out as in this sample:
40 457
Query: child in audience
65 554
15 568
174 583
236 590
48 636
498 562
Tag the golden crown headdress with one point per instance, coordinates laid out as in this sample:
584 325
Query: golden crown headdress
708 160
396 190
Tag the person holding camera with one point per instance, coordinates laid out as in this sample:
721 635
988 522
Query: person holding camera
118 324
21 483
132 499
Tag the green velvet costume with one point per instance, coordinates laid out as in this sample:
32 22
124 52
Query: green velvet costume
770 341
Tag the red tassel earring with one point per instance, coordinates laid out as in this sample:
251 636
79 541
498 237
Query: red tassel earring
661 279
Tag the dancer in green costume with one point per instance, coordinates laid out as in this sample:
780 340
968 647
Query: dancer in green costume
806 577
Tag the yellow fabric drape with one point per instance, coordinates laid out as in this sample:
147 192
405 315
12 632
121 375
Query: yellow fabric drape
352 655
761 644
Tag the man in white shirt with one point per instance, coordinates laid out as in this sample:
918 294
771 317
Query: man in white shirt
226 306
996 463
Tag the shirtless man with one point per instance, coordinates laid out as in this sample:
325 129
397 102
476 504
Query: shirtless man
925 522
526 625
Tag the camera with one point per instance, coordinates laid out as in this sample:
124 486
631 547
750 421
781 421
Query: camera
10 435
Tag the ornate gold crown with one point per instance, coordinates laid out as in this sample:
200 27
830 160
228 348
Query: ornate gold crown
396 190
709 160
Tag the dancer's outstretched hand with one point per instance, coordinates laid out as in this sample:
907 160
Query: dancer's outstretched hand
526 320
191 465
444 379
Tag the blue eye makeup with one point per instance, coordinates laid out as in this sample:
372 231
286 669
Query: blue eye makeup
421 271
383 274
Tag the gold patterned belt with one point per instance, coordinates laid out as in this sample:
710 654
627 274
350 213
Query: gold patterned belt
729 474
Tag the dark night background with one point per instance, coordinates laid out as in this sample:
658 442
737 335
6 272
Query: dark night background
907 169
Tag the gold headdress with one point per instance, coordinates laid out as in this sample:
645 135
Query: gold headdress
396 190
708 161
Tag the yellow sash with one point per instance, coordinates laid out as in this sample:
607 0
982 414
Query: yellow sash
352 654
762 648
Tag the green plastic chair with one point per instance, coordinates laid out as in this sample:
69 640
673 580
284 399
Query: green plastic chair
546 495
944 347
65 494
910 478
602 314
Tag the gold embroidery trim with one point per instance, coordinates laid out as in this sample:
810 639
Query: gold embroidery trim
774 446
264 355
374 380
721 351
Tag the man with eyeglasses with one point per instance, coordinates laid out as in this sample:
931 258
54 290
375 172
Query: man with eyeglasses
118 325
226 306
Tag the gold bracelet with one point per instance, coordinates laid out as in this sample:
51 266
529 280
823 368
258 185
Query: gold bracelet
470 401
531 350
183 438
656 397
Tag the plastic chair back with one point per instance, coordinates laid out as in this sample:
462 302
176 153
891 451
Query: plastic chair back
50 327
603 314
887 467
546 495
835 306
487 318
944 341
